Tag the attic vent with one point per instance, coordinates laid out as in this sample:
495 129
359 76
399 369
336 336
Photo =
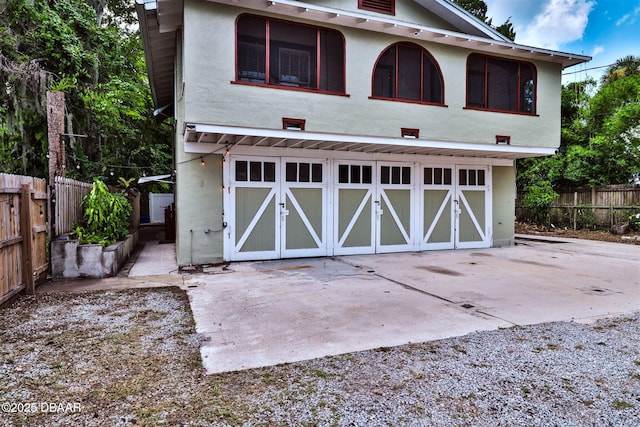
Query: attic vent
381 6
409 133
503 140
293 124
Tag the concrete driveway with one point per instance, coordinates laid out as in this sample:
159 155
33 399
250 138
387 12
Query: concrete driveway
257 314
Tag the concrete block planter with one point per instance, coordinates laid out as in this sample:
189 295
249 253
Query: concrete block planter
70 260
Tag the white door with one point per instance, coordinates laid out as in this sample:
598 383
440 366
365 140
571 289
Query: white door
373 207
354 192
438 207
394 206
473 207
303 207
254 211
278 208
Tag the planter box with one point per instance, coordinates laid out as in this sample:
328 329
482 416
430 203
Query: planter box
70 260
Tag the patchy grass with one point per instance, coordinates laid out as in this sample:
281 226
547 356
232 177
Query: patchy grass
132 358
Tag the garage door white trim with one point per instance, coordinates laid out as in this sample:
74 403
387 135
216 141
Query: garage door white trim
358 225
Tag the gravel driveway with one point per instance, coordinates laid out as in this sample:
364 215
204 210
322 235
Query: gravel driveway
132 358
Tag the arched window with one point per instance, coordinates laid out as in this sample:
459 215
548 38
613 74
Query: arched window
288 54
500 84
406 71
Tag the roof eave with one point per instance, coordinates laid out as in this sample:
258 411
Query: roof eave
460 18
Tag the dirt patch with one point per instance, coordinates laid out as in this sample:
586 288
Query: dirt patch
601 235
131 358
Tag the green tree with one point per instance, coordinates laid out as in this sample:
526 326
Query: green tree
623 67
478 8
90 50
600 140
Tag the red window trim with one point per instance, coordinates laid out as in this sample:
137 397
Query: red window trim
387 7
267 57
486 86
492 110
423 51
408 101
292 88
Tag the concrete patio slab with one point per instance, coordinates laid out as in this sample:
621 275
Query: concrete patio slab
263 313
155 259
255 314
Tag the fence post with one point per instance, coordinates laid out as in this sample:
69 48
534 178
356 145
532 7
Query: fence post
575 210
26 229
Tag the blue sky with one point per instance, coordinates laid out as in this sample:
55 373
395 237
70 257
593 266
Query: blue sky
607 30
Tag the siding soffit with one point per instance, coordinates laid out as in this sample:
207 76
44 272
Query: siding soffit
209 139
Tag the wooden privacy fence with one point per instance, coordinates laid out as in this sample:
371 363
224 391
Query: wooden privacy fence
68 198
23 234
605 205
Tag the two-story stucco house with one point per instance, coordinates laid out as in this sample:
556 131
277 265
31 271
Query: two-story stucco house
345 126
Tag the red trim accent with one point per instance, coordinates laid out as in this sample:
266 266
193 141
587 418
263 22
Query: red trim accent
298 89
489 110
506 138
408 101
267 56
299 123
319 77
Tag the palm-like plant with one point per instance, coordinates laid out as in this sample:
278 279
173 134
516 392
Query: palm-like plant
623 67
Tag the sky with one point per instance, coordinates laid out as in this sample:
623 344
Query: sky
606 30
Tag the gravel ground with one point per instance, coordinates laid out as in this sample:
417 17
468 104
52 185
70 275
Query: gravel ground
131 358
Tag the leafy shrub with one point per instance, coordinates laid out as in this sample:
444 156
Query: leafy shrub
537 201
634 222
587 219
105 216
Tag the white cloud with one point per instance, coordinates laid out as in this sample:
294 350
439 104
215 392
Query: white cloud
597 50
629 18
561 22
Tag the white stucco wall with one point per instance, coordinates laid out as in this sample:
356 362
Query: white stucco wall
504 198
205 94
408 11
213 99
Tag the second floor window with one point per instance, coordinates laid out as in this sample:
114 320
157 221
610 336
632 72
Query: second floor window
500 84
274 52
406 71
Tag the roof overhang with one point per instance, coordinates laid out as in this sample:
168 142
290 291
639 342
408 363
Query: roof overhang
460 18
208 139
159 21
